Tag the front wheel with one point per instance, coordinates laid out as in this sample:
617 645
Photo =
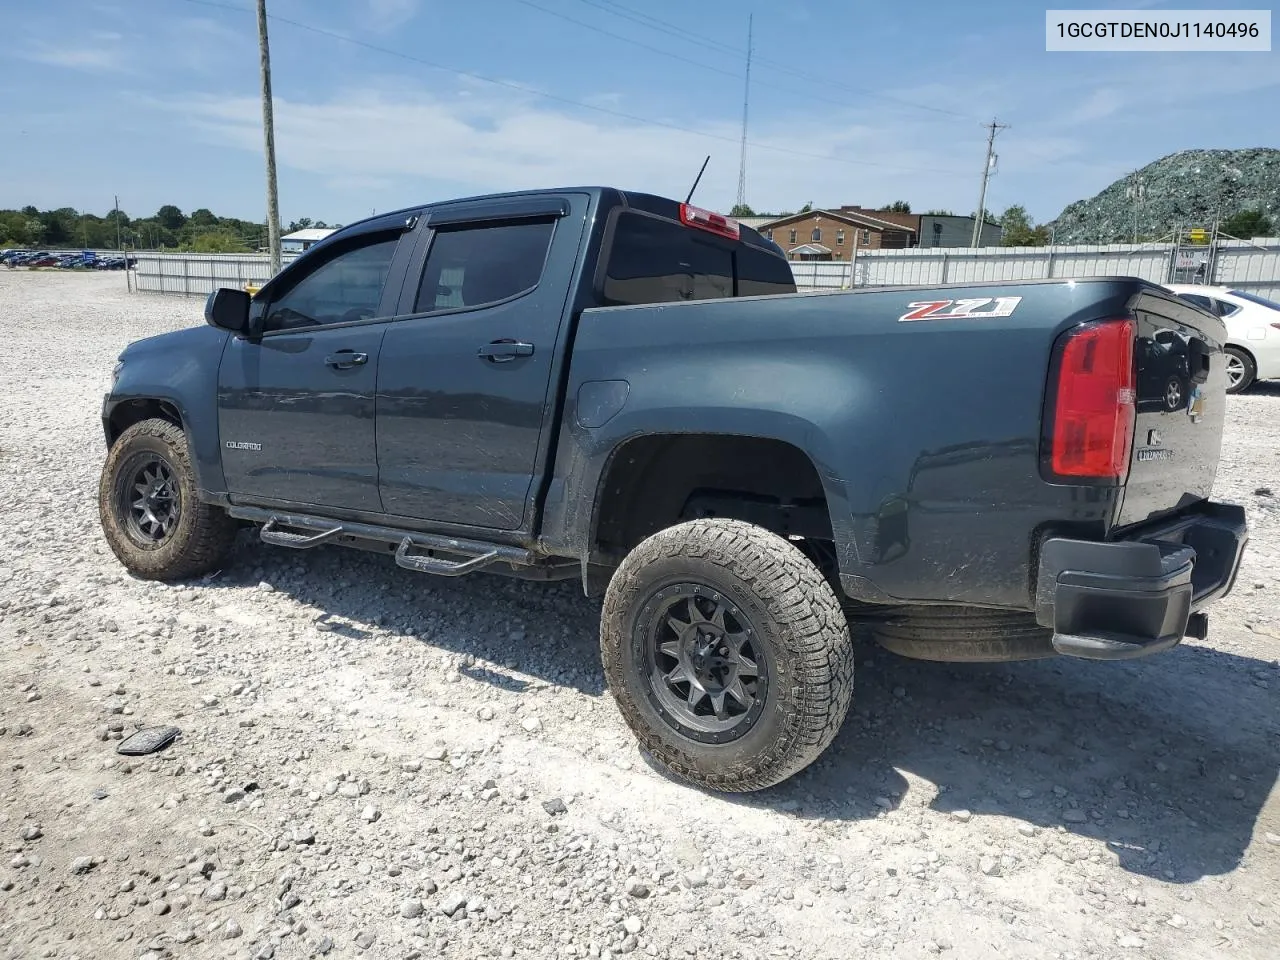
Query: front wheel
151 513
1241 370
728 654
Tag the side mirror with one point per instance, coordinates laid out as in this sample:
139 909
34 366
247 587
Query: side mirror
228 309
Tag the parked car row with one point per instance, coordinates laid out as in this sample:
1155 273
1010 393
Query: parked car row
86 260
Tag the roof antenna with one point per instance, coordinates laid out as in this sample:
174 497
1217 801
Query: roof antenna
696 181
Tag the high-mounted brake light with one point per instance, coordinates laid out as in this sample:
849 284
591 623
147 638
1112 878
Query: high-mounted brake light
716 223
1094 404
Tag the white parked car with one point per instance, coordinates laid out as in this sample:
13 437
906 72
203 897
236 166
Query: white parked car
1253 331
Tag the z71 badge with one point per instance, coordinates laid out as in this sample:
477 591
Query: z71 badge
978 308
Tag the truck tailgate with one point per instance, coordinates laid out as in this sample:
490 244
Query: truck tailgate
1181 399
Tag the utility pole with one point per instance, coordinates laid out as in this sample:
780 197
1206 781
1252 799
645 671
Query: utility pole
269 137
118 247
1136 192
746 98
979 217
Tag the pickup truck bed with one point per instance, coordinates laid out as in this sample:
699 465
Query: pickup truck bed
616 386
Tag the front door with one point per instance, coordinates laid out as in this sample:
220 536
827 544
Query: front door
465 377
296 407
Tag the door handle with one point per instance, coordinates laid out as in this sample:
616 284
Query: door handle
501 351
346 359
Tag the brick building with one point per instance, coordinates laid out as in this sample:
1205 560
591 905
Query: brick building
834 234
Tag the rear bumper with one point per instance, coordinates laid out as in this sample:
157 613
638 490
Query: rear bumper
1120 599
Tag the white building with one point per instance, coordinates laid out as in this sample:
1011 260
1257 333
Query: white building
302 240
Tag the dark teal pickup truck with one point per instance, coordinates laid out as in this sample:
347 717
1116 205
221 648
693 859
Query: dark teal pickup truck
623 388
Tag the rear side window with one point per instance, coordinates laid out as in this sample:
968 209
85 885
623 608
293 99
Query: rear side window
471 265
761 274
657 261
654 260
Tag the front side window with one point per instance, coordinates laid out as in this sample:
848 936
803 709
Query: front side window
472 265
657 261
344 288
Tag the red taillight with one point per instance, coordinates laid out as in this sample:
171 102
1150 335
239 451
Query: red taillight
1091 433
707 220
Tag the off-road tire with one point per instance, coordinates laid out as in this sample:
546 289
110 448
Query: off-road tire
799 626
1250 370
203 534
958 634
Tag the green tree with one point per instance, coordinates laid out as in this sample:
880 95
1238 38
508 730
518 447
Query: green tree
217 241
807 208
202 218
937 213
1018 229
739 210
899 206
1247 224
303 223
170 217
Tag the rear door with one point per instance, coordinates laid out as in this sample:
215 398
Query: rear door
465 383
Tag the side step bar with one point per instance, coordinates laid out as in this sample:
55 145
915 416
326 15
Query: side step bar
271 533
441 568
320 530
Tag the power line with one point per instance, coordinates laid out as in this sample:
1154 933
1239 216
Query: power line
532 91
671 54
682 33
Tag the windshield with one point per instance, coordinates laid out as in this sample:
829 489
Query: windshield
1254 298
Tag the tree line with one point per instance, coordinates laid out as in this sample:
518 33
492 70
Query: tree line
168 228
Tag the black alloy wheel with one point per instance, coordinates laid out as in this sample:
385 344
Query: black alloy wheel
708 677
149 499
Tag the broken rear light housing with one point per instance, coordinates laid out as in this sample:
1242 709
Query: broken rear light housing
1091 409
716 223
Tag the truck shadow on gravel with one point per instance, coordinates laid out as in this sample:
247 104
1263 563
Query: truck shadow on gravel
1169 760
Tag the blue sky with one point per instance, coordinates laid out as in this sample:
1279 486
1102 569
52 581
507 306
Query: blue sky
851 102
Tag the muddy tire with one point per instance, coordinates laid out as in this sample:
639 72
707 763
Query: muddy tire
728 654
150 511
957 634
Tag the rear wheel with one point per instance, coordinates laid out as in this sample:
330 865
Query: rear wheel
727 653
1241 370
149 506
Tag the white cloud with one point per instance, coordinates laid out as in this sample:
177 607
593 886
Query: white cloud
485 142
1103 102
94 59
389 14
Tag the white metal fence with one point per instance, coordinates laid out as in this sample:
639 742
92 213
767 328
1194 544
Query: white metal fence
199 274
1248 266
1251 266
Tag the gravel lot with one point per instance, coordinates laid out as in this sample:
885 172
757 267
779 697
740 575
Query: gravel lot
376 763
